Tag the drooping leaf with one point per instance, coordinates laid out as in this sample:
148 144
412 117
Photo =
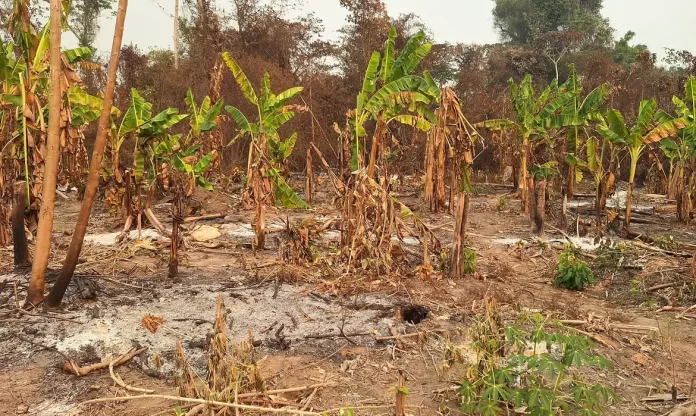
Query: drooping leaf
210 116
285 96
241 78
239 118
666 129
284 195
646 112
407 58
414 121
79 54
617 123
203 164
496 124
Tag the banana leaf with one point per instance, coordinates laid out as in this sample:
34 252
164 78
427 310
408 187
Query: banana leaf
241 78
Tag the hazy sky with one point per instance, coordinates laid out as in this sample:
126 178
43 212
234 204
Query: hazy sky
149 23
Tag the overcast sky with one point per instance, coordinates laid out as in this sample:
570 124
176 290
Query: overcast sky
149 23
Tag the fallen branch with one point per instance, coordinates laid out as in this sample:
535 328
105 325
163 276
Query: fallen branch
203 217
689 309
309 399
288 390
71 366
201 401
616 327
121 383
416 334
661 286
156 222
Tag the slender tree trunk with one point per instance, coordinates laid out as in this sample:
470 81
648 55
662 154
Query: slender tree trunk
260 225
176 34
309 184
531 198
19 237
598 202
457 250
66 273
376 144
629 193
178 210
42 253
539 206
523 175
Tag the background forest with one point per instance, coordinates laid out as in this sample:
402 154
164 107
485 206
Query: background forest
537 37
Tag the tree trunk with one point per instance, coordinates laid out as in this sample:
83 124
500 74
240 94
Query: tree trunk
178 212
260 225
66 273
539 206
523 176
531 198
19 236
376 146
457 250
570 191
598 202
629 193
401 393
42 252
309 185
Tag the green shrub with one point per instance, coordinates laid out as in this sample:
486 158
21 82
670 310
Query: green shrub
469 261
571 272
528 366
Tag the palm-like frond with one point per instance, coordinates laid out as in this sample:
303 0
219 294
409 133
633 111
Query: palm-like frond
241 78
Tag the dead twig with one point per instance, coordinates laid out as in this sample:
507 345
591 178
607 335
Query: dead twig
71 366
661 286
201 401
288 390
122 384
203 217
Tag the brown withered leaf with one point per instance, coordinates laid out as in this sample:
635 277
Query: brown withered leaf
151 322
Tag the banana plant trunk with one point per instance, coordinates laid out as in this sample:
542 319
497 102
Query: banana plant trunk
524 175
457 248
37 283
58 291
672 180
683 195
19 236
570 189
629 193
376 148
309 180
539 205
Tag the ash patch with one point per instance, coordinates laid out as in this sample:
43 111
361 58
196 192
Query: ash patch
111 326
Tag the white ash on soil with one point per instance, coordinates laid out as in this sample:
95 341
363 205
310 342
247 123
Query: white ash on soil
111 326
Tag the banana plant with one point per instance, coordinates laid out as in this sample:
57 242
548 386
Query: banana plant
535 115
651 126
391 93
265 157
681 151
201 119
602 155
577 116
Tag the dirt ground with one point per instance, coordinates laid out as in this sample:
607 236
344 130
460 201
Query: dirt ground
332 322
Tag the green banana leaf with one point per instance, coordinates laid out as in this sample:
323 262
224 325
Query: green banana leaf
241 78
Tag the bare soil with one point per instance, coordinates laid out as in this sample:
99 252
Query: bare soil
331 321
